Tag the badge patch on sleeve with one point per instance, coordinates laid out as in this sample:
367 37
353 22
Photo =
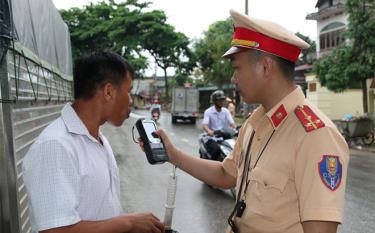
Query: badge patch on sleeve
330 171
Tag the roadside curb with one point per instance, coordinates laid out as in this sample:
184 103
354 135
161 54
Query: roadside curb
364 149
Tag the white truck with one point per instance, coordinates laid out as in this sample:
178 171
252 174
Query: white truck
36 82
185 104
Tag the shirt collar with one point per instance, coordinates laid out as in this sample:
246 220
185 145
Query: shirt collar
214 110
280 111
73 123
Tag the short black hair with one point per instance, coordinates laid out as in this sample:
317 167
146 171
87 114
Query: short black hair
96 69
286 67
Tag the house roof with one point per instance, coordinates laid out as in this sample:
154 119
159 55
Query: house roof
303 67
319 3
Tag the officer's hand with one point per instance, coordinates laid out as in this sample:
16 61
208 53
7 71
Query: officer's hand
171 150
145 223
210 133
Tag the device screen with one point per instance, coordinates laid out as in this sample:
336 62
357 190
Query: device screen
149 128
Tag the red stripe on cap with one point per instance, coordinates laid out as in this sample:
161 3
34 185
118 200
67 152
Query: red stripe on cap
268 44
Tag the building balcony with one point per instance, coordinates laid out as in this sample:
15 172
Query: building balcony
339 8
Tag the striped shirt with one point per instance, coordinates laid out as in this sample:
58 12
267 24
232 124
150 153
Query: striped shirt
70 176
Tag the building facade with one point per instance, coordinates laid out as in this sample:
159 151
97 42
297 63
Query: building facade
332 22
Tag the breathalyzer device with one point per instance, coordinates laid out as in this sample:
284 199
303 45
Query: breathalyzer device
152 143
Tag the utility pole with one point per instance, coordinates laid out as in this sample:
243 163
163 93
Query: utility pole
246 7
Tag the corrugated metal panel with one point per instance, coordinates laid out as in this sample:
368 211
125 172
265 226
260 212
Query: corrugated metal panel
40 96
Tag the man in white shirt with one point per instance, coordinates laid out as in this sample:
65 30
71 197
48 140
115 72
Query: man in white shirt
70 172
216 118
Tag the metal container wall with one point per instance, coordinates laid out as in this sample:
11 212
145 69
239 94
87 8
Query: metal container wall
32 98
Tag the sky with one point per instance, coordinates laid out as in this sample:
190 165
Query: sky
192 17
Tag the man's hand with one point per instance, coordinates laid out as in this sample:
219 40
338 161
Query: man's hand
132 223
319 227
210 133
145 223
208 130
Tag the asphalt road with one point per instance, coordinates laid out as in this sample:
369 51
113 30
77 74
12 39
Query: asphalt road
201 209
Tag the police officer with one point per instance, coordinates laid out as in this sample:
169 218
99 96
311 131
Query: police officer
216 118
231 107
289 163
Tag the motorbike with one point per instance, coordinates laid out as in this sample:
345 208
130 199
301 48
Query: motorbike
226 139
155 113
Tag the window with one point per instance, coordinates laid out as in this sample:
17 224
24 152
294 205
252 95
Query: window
331 36
312 87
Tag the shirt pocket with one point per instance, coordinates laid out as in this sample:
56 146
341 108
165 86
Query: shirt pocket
266 194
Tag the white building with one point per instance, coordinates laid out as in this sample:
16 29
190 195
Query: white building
331 23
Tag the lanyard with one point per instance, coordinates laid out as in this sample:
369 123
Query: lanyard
246 158
240 206
256 162
246 171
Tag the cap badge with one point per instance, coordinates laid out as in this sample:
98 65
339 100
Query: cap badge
247 43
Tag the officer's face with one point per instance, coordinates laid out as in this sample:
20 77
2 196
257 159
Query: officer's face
122 102
247 76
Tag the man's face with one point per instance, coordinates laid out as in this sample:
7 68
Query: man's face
247 76
219 103
122 102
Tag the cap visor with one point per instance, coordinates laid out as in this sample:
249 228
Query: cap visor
233 50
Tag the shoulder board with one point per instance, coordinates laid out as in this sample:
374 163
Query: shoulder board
307 117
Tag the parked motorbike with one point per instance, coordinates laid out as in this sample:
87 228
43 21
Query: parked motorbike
226 139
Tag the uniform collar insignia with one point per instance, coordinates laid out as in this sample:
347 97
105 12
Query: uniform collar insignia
281 111
278 116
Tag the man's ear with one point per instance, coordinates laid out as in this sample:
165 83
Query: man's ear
268 66
108 91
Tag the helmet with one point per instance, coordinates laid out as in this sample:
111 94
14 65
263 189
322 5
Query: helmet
217 95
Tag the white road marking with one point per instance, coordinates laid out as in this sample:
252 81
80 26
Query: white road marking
134 115
184 140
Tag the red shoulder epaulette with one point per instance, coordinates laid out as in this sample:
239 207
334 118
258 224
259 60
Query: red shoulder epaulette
307 117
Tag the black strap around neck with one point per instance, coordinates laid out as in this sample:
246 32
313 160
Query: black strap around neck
246 158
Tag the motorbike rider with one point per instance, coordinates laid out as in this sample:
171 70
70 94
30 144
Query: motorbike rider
155 107
216 118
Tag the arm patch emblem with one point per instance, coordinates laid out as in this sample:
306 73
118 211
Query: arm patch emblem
330 171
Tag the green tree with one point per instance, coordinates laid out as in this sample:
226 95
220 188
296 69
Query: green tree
208 53
107 25
127 29
354 62
304 59
168 47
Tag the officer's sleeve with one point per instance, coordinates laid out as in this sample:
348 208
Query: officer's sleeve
320 175
52 182
231 162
